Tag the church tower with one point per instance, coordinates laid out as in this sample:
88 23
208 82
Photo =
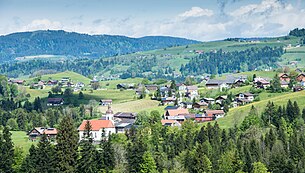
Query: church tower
109 114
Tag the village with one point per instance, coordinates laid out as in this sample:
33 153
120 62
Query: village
181 102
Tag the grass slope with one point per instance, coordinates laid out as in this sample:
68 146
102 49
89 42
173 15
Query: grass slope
20 139
75 77
237 115
134 106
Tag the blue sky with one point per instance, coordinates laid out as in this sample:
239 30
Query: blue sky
195 19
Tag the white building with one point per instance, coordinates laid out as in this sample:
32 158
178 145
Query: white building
99 128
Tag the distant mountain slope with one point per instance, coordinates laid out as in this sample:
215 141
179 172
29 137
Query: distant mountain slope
80 45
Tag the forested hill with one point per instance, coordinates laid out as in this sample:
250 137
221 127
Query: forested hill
80 45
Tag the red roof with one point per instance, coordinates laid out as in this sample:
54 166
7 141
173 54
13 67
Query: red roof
174 112
97 124
213 112
168 122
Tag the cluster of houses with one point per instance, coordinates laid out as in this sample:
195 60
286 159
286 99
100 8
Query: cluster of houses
264 83
227 83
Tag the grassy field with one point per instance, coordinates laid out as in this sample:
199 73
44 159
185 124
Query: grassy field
20 139
134 106
75 77
111 84
236 115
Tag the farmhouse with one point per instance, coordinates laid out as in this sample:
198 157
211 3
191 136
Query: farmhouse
168 100
192 91
208 100
52 82
99 128
172 123
55 101
180 114
200 105
221 99
151 88
17 81
215 114
261 83
301 77
38 131
246 96
106 102
284 77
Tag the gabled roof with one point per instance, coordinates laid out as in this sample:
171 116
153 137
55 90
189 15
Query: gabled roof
47 131
97 124
169 122
175 112
192 87
55 100
171 107
212 112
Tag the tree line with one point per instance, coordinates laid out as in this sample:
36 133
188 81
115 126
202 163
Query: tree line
223 62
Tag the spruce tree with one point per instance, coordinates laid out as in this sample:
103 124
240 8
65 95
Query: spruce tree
108 155
67 144
87 161
45 156
29 163
148 165
7 151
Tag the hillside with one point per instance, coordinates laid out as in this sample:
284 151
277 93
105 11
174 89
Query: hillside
79 45
237 115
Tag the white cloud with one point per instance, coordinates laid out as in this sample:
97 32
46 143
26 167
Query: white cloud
197 12
42 24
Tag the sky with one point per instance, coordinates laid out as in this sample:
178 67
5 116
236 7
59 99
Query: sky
203 20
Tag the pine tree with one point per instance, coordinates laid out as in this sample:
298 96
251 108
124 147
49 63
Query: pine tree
45 156
7 151
148 165
87 161
29 163
108 155
67 143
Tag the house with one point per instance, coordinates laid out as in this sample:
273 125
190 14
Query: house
221 99
171 123
284 84
80 85
38 131
284 77
39 85
65 79
151 88
122 127
164 91
213 84
125 86
176 114
105 102
192 91
298 70
125 115
214 114
297 88
200 105
99 128
181 88
168 100
208 100
17 81
70 84
246 96
171 107
55 101
188 105
52 82
219 84
261 83
301 77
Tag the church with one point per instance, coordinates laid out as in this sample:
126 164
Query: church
100 128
